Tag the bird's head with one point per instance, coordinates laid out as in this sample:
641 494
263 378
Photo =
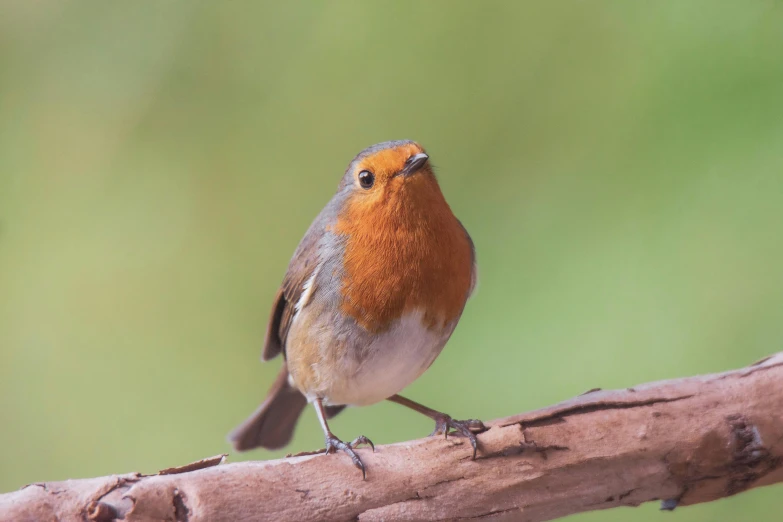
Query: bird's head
392 175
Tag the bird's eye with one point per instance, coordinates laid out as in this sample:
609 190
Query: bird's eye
366 179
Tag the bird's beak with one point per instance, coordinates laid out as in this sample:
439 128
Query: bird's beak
414 163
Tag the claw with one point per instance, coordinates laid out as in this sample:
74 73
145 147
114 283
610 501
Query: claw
333 444
362 440
466 428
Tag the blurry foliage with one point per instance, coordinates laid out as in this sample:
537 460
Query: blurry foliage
618 164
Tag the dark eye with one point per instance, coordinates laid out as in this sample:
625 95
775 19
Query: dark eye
366 179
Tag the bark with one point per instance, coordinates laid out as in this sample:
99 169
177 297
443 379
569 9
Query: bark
683 441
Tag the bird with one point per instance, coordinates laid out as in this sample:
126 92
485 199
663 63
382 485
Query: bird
371 295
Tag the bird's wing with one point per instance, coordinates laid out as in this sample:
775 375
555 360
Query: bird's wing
298 285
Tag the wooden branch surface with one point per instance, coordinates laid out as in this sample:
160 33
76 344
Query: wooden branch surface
684 441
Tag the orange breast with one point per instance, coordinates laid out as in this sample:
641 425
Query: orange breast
405 251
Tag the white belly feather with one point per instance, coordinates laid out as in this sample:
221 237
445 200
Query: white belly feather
355 367
396 358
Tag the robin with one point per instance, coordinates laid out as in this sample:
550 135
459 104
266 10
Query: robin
372 294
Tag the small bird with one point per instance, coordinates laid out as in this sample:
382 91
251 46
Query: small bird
371 296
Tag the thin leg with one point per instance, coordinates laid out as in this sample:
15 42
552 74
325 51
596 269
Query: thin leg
444 423
333 444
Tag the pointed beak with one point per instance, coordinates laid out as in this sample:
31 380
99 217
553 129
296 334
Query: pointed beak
414 163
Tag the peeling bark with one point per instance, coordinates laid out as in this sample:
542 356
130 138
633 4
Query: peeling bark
685 441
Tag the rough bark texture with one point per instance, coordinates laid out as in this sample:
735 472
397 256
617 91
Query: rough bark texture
683 441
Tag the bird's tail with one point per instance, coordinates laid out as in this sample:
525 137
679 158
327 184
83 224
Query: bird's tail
272 425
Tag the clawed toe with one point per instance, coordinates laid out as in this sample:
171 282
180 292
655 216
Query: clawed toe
467 428
333 444
362 440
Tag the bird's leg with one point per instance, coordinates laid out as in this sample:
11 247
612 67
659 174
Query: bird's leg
444 423
333 444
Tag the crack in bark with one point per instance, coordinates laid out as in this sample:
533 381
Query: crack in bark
181 511
559 416
446 481
618 498
491 514
529 443
751 460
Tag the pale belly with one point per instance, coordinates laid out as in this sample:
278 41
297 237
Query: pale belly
338 361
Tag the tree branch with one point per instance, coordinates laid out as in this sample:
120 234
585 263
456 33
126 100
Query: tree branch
685 441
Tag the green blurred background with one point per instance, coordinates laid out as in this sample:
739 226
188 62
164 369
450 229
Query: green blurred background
619 165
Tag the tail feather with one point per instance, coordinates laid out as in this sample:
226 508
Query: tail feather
272 425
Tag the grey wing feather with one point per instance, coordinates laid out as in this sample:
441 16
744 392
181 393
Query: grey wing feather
273 344
300 269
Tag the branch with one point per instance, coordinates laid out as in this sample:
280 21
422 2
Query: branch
685 441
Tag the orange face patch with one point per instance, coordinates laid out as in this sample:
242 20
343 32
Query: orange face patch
405 249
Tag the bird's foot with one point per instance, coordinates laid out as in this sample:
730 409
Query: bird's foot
333 444
467 428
